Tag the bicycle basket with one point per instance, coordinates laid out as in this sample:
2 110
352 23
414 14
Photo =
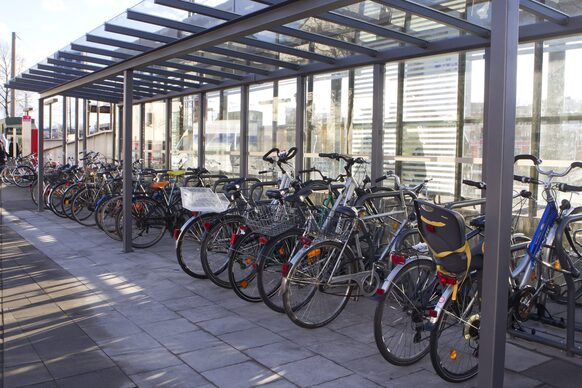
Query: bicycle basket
273 219
203 199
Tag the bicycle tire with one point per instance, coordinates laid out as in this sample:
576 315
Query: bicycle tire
217 241
189 242
301 267
146 214
242 267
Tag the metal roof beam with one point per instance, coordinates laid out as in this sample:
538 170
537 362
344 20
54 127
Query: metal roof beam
228 31
217 50
358 24
289 31
30 86
437 16
117 81
154 70
544 11
44 85
182 26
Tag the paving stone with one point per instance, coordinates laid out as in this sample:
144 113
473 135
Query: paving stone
62 346
251 338
180 376
146 361
226 325
378 370
516 380
110 377
75 364
343 351
213 358
519 359
131 343
312 371
27 374
170 327
204 313
556 372
425 379
186 303
349 381
188 342
246 374
279 353
18 352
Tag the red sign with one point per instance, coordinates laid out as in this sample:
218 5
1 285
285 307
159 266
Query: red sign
26 118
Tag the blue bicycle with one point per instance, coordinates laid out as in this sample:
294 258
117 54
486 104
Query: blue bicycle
454 340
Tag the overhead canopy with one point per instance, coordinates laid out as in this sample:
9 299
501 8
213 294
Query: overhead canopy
178 47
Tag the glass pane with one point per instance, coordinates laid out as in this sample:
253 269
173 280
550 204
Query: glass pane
185 118
155 134
222 132
136 133
271 122
338 118
390 112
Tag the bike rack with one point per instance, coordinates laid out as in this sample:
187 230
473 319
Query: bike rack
567 343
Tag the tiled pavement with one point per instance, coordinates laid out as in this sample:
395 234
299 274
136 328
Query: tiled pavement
79 313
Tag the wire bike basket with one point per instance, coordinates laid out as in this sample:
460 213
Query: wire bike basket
273 219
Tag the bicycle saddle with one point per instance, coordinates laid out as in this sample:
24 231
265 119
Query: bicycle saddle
350 211
159 185
274 194
234 185
299 195
478 222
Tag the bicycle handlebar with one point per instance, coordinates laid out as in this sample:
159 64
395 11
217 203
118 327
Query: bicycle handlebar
479 185
268 158
564 187
535 160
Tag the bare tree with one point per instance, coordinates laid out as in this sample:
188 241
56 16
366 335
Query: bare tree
22 98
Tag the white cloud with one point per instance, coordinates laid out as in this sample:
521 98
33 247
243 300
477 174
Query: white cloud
4 33
53 5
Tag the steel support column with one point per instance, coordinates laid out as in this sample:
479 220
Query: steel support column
378 122
64 134
168 139
201 128
76 131
300 97
114 129
85 126
244 130
500 123
127 171
120 131
40 178
142 120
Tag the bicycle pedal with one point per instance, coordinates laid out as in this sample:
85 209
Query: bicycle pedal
553 289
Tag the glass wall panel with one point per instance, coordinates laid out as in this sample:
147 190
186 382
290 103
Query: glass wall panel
339 117
155 134
93 117
271 121
136 132
390 115
222 131
185 117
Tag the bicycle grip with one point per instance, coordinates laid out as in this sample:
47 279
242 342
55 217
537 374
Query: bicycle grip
523 179
566 187
267 158
307 171
576 164
381 178
479 185
535 160
263 172
291 153
326 155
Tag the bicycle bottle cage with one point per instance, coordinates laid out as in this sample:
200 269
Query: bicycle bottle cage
443 230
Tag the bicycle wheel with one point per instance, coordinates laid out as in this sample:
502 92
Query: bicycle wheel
108 213
215 248
84 205
571 245
189 242
148 222
242 267
454 340
55 198
401 323
23 176
67 200
310 295
272 257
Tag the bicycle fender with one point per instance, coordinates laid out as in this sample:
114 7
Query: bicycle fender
441 303
397 268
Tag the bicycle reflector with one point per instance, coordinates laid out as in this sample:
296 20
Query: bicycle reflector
176 233
207 226
263 240
432 313
431 228
243 228
380 291
232 238
305 241
194 213
448 280
397 259
285 269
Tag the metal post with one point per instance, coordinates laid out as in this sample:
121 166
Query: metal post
168 141
378 121
299 122
120 131
76 131
127 165
201 128
64 130
399 117
85 125
500 123
141 152
244 130
114 130
13 75
40 186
